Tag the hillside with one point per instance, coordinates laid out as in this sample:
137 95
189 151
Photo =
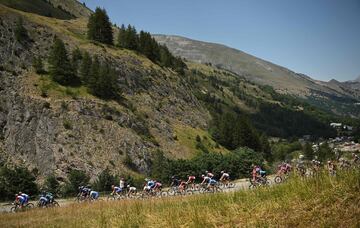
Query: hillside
61 9
48 127
52 129
337 99
317 202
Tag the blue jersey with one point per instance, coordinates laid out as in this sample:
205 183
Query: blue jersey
117 189
151 184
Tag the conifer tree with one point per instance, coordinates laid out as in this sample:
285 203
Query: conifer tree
121 39
76 57
99 27
85 68
60 69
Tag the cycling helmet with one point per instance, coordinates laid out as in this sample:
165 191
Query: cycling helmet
203 175
301 156
172 177
222 172
329 162
20 193
206 171
128 186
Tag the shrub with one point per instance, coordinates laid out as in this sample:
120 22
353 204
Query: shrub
67 124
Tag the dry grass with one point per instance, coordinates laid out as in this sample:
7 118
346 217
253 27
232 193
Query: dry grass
317 202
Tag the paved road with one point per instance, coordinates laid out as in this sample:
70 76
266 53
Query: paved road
241 184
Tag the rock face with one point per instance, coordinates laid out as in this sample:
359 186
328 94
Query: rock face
60 131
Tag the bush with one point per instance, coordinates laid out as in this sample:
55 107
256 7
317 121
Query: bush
15 180
67 124
105 180
76 178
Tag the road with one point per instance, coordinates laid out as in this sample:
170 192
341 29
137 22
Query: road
241 184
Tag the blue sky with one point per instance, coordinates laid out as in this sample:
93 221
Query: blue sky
320 38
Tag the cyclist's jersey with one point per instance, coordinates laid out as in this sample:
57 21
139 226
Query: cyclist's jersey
157 185
85 190
212 182
94 194
262 173
21 199
225 175
206 179
210 175
176 182
191 178
122 184
151 184
132 189
43 198
117 189
182 184
26 197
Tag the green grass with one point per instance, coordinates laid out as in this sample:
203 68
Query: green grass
318 202
48 87
186 137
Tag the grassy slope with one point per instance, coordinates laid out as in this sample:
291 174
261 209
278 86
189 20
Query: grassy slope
318 202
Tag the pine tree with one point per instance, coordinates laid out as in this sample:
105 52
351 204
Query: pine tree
131 38
60 68
76 57
121 39
85 68
99 27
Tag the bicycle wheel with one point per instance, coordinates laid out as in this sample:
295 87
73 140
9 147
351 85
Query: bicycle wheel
55 204
171 192
30 205
231 185
164 194
13 209
278 179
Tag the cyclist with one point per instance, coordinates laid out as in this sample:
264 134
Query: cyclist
84 191
211 184
191 180
122 183
175 182
182 186
116 190
132 190
209 174
43 201
149 184
205 180
20 200
26 197
49 196
225 177
157 186
94 195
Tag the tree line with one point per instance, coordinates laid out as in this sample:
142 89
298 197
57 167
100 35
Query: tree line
100 29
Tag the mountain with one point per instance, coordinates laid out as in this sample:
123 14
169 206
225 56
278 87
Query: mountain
330 97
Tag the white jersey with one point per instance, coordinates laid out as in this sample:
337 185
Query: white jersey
122 184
